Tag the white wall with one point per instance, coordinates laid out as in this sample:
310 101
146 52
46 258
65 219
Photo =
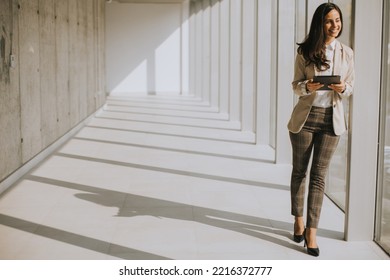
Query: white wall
144 48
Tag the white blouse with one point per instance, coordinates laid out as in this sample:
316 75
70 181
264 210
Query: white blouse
324 97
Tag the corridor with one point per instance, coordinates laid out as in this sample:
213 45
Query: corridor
161 177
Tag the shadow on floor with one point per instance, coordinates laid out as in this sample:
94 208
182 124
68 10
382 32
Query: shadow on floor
130 205
78 240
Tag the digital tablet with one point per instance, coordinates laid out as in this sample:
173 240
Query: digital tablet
327 80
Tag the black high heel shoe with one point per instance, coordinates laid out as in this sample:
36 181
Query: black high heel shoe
298 238
315 252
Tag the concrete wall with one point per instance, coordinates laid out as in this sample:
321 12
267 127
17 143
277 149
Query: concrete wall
56 78
146 48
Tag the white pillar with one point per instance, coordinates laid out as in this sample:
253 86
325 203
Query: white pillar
224 55
184 79
235 60
360 208
311 7
206 51
264 53
192 48
215 53
249 20
285 70
198 49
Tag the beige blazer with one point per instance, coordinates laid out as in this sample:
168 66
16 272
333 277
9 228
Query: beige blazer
343 66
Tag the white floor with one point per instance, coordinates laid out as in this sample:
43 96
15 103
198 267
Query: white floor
161 178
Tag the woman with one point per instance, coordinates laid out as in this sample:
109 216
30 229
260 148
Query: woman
317 120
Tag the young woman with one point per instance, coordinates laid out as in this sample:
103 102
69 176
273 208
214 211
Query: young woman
317 120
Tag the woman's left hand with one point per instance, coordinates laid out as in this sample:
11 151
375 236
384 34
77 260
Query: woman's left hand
339 88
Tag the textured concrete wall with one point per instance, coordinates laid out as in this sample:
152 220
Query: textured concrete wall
57 79
10 133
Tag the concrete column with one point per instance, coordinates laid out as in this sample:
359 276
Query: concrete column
264 54
224 55
215 53
360 206
192 48
206 33
285 70
249 19
184 73
235 60
198 48
311 7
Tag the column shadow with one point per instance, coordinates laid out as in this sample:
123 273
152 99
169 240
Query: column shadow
136 205
78 240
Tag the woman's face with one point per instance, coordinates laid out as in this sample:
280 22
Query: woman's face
332 25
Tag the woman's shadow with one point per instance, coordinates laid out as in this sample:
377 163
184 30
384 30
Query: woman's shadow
131 205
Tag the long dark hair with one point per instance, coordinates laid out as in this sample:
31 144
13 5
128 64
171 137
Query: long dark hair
313 47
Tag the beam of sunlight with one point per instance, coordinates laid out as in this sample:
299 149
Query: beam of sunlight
136 80
167 64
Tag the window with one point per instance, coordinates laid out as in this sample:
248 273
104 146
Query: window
382 234
337 179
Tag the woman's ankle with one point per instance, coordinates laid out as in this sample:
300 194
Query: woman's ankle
299 225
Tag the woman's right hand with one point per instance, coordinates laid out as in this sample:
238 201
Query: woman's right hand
312 86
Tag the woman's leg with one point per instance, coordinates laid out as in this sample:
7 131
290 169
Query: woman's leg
325 145
302 144
299 228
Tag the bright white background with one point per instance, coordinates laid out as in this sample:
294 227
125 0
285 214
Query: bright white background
144 48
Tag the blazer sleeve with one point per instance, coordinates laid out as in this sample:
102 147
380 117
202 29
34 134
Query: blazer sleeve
300 80
349 78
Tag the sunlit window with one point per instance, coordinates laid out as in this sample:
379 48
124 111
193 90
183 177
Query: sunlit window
383 205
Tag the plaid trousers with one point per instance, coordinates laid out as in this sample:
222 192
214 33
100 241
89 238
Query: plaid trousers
317 137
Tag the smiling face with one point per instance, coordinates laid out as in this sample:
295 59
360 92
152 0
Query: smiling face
332 26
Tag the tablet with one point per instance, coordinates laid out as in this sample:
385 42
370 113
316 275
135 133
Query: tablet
327 80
